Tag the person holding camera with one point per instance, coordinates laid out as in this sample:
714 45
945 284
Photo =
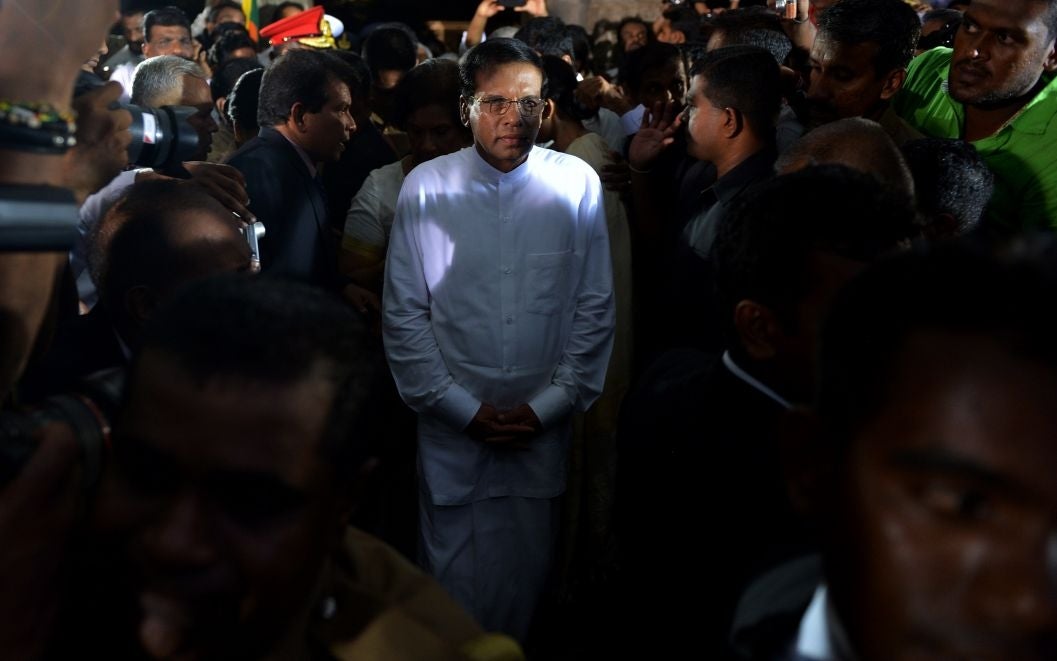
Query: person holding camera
163 82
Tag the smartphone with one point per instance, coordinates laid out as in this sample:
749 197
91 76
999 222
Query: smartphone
512 3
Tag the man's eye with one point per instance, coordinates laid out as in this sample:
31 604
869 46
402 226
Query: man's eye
949 500
969 27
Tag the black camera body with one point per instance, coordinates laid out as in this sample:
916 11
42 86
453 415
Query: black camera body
162 138
88 411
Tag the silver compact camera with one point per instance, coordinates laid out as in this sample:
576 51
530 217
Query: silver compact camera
253 233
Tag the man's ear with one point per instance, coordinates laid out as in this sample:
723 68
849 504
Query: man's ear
464 111
297 116
140 303
549 108
1050 63
733 122
221 104
893 82
757 328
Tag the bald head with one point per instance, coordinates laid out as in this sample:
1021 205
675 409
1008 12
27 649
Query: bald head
161 236
857 143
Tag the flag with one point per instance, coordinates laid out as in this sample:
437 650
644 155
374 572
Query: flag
249 8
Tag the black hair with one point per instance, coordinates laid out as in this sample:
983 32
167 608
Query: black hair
298 332
642 60
487 55
299 76
283 5
1051 17
755 26
132 245
628 20
764 243
225 43
215 10
547 36
952 20
747 79
434 82
244 99
561 88
949 178
164 17
891 24
960 287
227 74
581 45
390 47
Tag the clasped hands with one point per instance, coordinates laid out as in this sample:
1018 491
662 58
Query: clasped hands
513 428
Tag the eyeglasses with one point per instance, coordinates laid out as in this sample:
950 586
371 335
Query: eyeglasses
530 106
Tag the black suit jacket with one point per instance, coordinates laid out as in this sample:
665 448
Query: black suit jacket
291 204
701 502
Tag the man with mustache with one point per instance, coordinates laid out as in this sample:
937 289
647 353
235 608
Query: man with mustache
859 62
498 320
995 89
305 122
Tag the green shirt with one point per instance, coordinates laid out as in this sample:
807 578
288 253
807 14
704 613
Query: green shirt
1022 154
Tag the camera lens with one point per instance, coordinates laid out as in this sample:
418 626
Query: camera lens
162 138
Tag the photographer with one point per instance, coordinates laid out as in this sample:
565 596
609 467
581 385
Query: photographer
159 82
40 58
42 78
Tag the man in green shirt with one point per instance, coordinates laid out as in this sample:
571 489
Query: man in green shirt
996 90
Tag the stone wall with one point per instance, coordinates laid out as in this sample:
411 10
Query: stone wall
588 12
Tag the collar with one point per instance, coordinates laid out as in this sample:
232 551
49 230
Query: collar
753 382
754 168
821 636
312 170
486 171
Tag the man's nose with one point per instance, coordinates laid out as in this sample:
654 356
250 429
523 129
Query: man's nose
181 536
979 46
818 88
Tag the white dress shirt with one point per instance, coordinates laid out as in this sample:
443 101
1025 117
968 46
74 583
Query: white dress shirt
498 289
821 636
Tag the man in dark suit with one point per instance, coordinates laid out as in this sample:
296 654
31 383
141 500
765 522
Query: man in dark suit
927 464
305 122
698 459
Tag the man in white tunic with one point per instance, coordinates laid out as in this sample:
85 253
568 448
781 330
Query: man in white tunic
498 322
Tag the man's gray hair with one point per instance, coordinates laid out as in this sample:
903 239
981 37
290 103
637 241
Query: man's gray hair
158 77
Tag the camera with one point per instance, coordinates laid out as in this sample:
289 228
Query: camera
37 218
253 232
87 410
162 138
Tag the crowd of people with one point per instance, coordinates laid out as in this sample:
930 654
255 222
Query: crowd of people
724 333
